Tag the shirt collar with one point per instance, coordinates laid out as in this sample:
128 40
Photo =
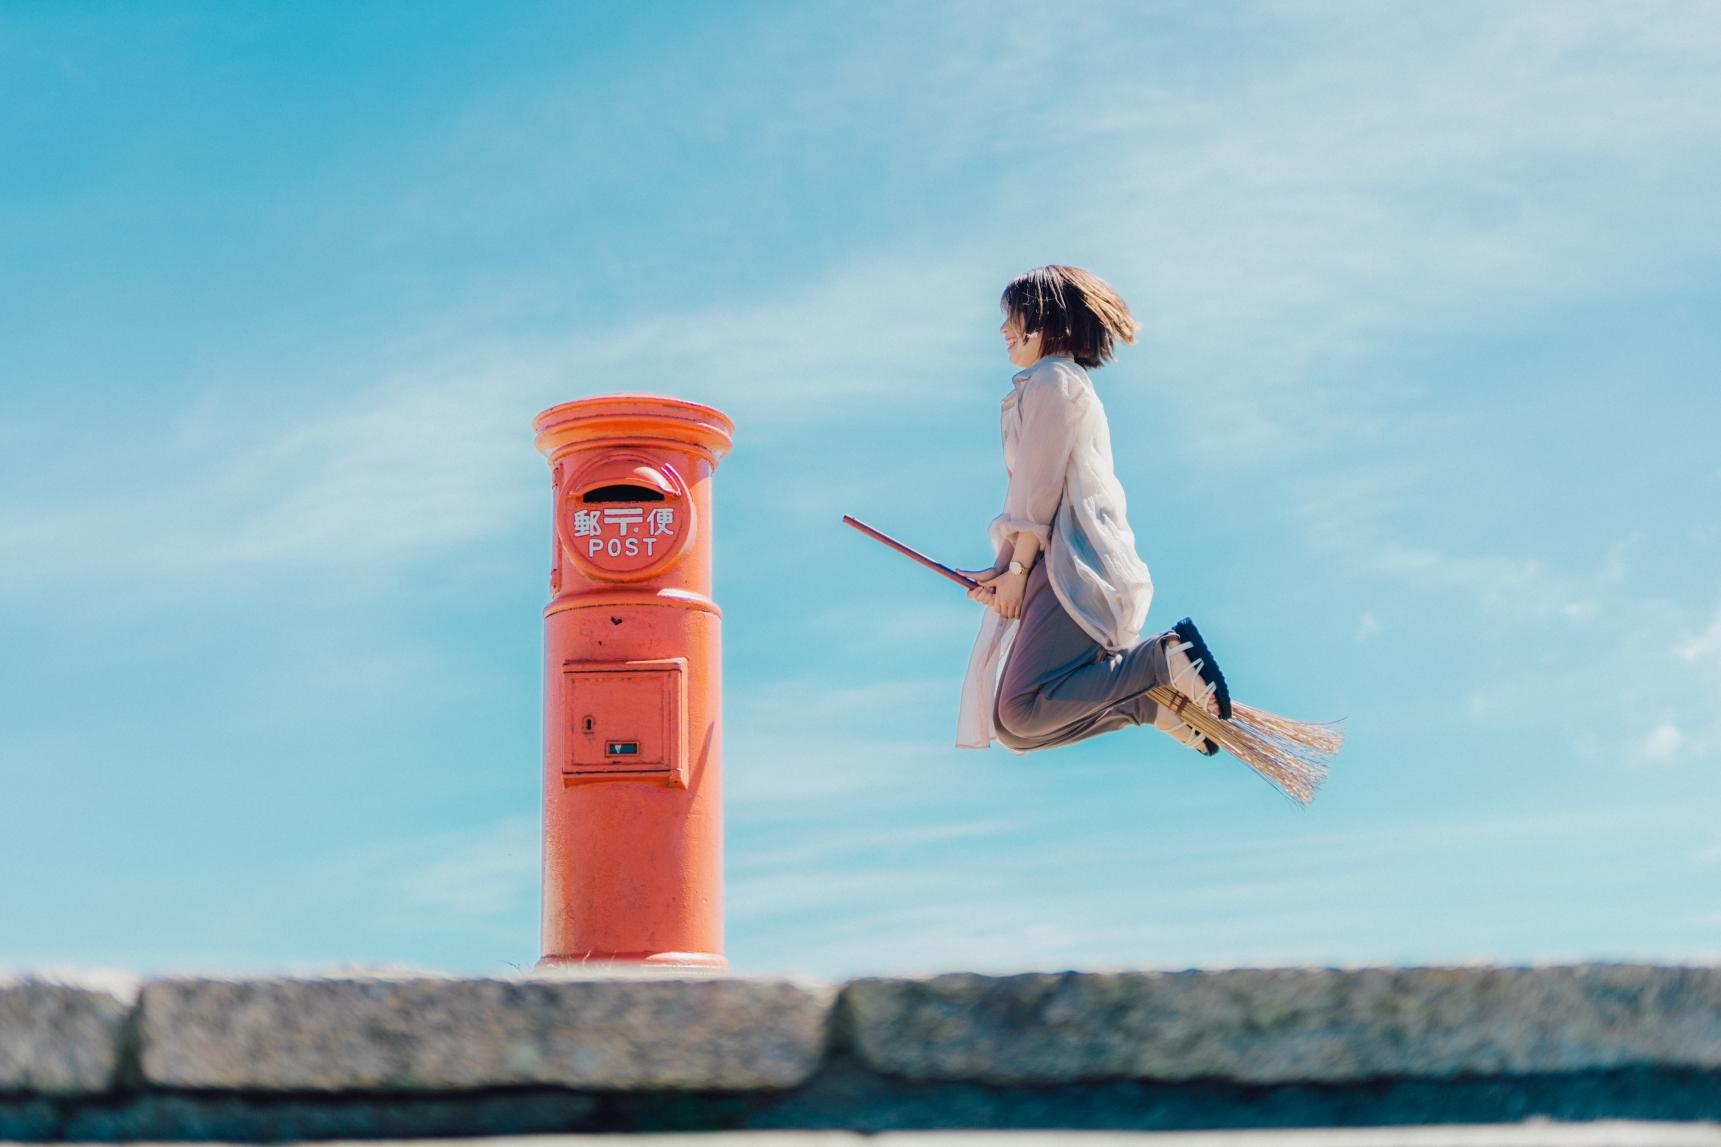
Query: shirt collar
1021 376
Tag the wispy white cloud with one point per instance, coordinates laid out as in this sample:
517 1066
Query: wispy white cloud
1346 516
1236 899
1701 646
446 881
407 468
1661 743
1276 226
903 627
1453 168
1662 694
1688 684
1517 585
436 454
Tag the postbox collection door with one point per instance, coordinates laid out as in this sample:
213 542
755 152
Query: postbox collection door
628 721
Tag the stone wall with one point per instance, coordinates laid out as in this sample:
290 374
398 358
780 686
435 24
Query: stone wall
404 1056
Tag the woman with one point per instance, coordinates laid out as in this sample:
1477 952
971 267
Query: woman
1067 595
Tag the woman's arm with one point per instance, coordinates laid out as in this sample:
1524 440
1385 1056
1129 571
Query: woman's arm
1000 563
1027 545
1036 486
1043 450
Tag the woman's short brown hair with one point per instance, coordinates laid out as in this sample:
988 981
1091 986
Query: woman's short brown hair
1075 312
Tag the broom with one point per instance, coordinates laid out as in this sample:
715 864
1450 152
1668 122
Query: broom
1293 756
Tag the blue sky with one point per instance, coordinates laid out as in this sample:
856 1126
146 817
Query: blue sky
1420 428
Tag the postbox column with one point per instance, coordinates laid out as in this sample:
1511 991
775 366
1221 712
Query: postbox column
633 826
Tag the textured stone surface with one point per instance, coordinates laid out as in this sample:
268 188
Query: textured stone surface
1264 1025
426 1033
62 1034
239 1117
864 1102
1610 1134
1530 1134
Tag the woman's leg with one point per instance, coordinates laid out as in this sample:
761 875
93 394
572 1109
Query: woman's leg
1124 714
1059 685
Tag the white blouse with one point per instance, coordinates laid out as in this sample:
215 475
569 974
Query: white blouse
1057 452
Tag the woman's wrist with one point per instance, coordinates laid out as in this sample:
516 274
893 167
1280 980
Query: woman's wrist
1022 552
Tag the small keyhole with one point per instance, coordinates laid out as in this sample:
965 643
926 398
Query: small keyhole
590 723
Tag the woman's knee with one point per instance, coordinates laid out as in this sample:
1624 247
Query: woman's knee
1017 714
1004 723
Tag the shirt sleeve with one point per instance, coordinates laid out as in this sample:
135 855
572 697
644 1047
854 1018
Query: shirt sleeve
1043 450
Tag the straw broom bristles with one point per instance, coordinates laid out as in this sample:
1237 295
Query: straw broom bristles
1292 755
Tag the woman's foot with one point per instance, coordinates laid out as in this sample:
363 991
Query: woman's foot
1168 722
1186 675
1194 672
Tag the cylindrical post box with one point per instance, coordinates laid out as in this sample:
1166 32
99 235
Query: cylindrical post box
633 779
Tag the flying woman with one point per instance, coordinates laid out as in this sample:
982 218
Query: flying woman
1068 595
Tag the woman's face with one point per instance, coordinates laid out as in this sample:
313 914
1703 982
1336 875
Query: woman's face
1023 351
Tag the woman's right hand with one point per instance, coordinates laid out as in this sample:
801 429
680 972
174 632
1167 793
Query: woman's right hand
982 593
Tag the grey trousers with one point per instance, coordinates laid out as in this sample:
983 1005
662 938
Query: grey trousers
1060 686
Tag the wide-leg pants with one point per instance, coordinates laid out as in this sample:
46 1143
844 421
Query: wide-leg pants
1060 686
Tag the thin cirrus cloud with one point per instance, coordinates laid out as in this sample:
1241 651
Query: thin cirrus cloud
1403 172
418 459
1288 895
437 454
1273 225
452 880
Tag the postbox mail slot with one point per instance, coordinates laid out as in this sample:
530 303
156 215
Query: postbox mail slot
621 492
627 720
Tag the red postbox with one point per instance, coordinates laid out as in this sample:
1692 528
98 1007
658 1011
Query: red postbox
633 779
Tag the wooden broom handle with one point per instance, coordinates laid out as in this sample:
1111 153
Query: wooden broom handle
938 567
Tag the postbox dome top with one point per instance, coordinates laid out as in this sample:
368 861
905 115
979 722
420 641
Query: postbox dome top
634 415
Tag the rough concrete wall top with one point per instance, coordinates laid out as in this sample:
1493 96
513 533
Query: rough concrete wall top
1287 1024
62 1034
416 1034
427 1033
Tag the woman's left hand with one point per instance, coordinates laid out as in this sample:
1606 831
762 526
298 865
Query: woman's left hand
1007 590
981 593
1005 593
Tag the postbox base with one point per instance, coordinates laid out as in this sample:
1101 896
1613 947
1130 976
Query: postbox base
623 964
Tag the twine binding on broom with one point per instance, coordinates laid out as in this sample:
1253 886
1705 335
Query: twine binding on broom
1292 755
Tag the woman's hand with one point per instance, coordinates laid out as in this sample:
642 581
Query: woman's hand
981 593
1007 590
1002 591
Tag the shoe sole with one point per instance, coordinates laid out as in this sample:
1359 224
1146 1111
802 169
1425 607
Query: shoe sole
1186 631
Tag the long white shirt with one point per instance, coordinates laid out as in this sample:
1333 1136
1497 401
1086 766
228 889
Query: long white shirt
1057 453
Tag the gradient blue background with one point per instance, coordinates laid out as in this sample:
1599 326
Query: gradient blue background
1421 428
